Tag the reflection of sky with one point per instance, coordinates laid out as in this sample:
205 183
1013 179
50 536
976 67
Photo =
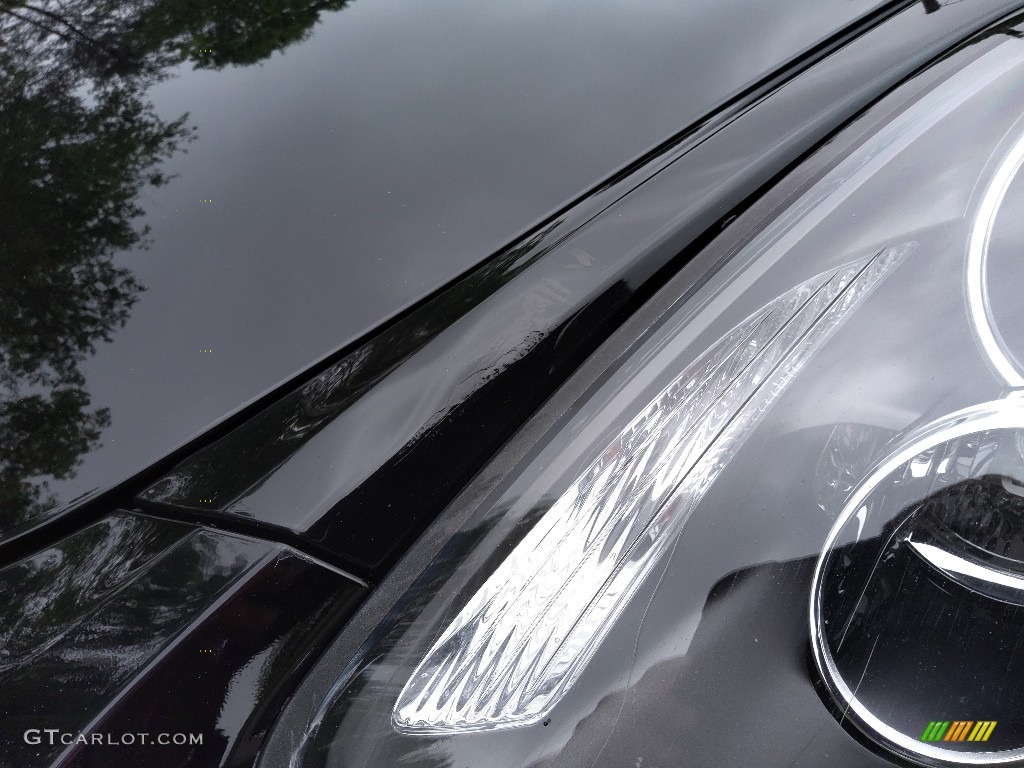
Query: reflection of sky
354 173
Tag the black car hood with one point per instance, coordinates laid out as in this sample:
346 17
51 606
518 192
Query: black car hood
339 162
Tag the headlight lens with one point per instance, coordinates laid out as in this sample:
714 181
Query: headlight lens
840 396
917 601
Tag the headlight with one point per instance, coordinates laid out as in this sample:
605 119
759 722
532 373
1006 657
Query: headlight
840 398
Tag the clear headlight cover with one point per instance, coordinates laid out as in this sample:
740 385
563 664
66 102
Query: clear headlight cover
838 403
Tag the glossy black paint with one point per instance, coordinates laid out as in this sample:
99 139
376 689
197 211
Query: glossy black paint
738 685
140 625
262 638
378 151
748 661
360 459
284 608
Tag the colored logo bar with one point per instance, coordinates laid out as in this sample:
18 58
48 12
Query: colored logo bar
958 730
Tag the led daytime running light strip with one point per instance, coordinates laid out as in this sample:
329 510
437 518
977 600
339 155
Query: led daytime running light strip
977 258
527 634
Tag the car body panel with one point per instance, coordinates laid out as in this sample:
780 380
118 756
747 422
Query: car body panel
359 459
336 442
324 183
135 625
747 651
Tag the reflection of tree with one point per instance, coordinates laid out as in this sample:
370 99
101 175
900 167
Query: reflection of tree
227 31
79 142
72 165
132 39
41 437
